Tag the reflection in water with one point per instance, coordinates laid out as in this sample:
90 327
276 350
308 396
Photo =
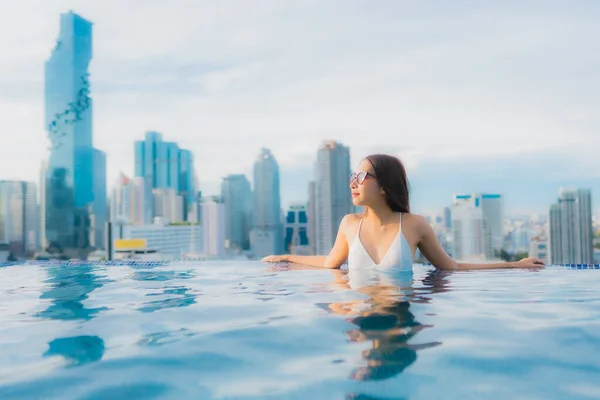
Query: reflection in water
367 397
160 275
77 350
174 296
385 320
70 285
388 325
162 338
435 282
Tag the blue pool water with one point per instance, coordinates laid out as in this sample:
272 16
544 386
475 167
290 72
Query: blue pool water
244 330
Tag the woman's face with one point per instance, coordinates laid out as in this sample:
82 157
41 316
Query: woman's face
363 185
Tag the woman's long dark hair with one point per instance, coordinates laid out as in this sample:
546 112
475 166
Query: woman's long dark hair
391 176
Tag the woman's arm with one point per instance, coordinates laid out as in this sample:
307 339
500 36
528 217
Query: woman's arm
313 261
433 251
337 256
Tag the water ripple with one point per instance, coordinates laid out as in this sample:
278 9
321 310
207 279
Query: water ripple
244 330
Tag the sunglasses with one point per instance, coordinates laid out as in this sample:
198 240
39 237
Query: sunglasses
360 177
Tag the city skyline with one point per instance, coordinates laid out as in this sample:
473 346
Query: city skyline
485 120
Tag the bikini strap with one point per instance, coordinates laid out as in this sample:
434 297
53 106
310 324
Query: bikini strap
359 225
357 233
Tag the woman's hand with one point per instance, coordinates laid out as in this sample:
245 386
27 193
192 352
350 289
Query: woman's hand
529 262
274 259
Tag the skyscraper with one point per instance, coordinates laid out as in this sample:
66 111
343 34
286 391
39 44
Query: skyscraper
187 180
168 205
570 229
492 208
312 216
213 227
166 166
19 213
43 244
151 160
447 219
100 205
266 236
296 230
75 168
332 193
32 215
132 201
237 199
467 231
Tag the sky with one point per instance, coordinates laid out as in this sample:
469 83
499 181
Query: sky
472 96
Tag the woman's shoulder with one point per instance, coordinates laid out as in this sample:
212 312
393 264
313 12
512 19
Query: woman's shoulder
350 221
352 218
416 218
349 225
414 221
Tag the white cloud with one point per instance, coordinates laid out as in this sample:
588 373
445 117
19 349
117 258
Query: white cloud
226 78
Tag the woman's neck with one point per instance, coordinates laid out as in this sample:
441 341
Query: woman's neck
379 215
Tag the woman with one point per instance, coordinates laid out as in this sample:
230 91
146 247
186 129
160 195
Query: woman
384 239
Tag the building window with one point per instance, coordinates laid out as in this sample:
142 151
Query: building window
291 217
302 217
289 234
303 237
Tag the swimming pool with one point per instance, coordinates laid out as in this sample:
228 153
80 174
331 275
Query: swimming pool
221 330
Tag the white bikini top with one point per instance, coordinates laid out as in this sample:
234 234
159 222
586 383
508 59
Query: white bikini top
395 268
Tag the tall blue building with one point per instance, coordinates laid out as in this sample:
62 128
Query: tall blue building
166 166
151 161
237 197
266 236
186 177
75 169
